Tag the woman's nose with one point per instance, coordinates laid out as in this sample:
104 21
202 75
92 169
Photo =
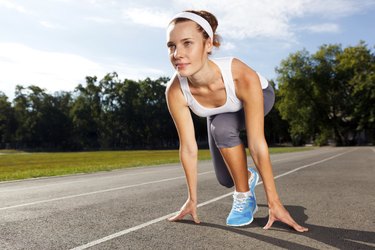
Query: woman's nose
177 53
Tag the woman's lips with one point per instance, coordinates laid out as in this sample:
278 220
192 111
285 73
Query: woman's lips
181 65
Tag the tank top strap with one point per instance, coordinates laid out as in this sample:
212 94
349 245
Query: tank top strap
185 89
225 65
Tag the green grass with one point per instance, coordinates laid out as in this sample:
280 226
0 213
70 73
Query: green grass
16 165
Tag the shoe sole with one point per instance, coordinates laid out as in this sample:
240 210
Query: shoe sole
247 223
240 225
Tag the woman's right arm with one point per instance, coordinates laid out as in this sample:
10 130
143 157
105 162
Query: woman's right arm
188 150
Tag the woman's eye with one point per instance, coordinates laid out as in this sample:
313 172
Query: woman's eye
187 43
171 47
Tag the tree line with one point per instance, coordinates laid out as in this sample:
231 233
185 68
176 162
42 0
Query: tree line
105 114
329 95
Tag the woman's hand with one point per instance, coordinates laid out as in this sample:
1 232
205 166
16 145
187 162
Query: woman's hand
189 207
279 213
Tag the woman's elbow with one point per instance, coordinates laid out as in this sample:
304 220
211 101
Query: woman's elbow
258 149
189 151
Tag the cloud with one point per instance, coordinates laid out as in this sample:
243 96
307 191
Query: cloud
275 19
322 28
134 71
50 25
252 19
227 46
14 6
239 19
101 20
333 9
147 16
100 3
51 70
55 71
243 19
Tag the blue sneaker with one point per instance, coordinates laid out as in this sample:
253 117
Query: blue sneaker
254 178
242 211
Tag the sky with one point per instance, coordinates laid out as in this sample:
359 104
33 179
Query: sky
55 44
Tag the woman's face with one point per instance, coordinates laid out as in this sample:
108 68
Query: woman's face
188 51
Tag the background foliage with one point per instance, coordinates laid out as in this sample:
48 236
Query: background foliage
329 95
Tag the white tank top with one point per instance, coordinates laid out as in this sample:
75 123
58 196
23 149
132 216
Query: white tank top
232 104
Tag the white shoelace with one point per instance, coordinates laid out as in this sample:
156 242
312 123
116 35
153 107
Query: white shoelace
239 203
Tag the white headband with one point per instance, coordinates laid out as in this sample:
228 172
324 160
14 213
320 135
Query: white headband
199 20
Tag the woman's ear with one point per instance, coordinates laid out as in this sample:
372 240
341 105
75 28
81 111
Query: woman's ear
209 45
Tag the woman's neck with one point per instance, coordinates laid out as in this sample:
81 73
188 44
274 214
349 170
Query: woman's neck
207 75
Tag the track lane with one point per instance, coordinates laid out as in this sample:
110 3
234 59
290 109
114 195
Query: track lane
75 221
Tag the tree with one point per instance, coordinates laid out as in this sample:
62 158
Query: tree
56 124
121 114
27 113
275 128
86 114
296 103
43 120
7 121
357 64
156 122
329 94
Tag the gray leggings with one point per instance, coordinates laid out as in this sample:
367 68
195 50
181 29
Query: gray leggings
223 132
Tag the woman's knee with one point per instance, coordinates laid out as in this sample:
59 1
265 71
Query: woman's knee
225 182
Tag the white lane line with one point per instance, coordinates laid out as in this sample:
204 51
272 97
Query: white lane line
44 185
304 156
43 178
362 242
132 229
121 175
314 163
105 190
97 192
149 170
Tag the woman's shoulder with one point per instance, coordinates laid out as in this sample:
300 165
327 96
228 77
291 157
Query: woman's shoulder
173 82
241 70
174 94
245 74
233 63
237 66
238 63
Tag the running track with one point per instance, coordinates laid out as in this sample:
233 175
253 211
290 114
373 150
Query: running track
329 190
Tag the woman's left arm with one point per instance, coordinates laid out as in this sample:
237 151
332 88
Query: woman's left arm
249 91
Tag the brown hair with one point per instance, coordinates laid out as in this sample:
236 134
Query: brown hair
211 19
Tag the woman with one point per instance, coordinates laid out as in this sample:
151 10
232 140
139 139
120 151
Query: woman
233 97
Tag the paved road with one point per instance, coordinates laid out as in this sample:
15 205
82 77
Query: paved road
329 190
